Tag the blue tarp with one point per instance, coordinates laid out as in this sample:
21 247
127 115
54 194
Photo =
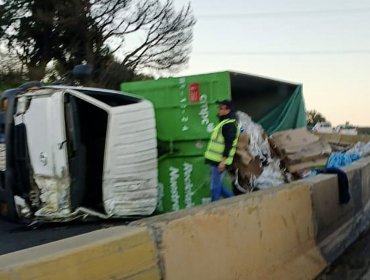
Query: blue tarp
337 160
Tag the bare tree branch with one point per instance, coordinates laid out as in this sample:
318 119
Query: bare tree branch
143 34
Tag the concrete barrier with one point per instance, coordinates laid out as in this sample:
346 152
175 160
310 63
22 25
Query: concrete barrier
290 232
113 253
265 235
339 225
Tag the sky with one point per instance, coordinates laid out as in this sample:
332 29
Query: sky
323 45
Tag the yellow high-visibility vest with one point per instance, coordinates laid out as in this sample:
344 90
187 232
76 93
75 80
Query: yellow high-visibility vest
216 145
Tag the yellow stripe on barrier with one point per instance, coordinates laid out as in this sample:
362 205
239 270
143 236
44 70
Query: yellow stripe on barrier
114 253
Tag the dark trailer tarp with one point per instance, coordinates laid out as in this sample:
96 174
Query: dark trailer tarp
276 105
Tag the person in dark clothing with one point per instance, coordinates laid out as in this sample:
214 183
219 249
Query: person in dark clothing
222 147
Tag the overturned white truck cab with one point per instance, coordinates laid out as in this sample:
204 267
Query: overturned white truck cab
75 152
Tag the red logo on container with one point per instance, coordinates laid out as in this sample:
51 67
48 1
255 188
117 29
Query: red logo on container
194 94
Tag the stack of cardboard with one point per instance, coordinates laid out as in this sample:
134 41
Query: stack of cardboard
300 150
342 142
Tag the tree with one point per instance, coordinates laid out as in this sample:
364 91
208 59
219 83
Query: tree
11 72
137 34
314 117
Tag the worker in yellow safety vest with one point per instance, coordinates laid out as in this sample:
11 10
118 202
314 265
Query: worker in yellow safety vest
221 148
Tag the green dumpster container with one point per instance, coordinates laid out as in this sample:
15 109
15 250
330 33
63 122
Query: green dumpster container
186 110
185 107
186 113
183 183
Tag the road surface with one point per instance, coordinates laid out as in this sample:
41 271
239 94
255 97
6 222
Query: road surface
15 237
354 264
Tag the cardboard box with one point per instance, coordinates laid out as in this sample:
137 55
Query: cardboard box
315 163
310 152
299 149
291 140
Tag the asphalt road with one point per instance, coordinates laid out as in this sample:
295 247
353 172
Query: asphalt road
353 264
14 237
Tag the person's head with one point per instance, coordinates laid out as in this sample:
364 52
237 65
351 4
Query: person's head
225 107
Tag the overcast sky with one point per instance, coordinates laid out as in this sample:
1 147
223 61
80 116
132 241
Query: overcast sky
324 45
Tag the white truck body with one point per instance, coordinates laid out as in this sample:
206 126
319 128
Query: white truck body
119 144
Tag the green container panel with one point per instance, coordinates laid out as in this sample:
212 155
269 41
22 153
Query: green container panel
184 182
183 148
185 107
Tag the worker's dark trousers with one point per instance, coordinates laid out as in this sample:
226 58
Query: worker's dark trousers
217 187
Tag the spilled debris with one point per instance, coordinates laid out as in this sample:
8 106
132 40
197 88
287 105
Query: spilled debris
263 161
